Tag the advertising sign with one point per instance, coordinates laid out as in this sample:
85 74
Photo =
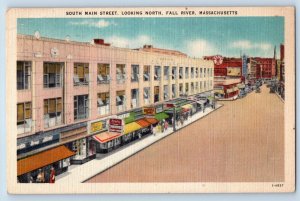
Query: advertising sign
96 126
115 125
149 111
233 71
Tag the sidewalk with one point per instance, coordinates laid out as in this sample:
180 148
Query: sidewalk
81 173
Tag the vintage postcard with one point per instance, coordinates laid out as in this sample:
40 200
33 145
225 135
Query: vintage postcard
150 100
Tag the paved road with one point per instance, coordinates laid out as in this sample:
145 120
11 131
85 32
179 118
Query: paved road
240 142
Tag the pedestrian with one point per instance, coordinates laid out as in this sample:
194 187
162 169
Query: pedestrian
40 177
52 175
166 125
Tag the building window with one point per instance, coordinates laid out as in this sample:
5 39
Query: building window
204 72
166 92
157 73
181 89
174 73
166 72
204 85
52 74
81 107
197 87
121 74
200 85
52 112
192 72
24 120
186 72
181 73
146 73
197 72
192 88
103 73
23 75
103 103
121 101
81 74
186 88
156 94
201 75
146 95
134 73
173 91
134 98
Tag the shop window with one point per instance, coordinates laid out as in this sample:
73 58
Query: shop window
121 75
52 74
52 112
81 107
156 94
134 98
146 73
166 72
121 101
103 73
81 74
24 121
181 73
23 75
157 73
134 73
103 103
166 92
147 95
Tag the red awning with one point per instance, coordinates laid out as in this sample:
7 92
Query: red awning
143 123
106 136
151 120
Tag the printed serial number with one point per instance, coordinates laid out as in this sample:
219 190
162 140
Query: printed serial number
277 185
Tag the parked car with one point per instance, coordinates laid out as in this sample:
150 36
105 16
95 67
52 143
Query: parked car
257 90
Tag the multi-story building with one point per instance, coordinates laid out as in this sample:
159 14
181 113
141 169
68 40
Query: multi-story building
65 87
265 68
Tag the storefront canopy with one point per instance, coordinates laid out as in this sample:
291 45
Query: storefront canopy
161 116
131 127
43 159
131 118
151 120
106 136
143 123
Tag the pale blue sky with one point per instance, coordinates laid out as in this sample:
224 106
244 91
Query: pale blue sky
197 36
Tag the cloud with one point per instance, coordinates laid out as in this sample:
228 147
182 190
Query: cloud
247 45
124 42
92 23
199 48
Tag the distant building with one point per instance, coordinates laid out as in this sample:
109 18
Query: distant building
265 68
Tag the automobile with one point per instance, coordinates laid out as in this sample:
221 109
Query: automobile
242 94
257 90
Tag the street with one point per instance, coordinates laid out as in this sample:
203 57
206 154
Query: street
241 142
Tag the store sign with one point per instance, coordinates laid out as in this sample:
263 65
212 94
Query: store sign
47 139
96 126
149 111
233 71
159 108
115 125
218 59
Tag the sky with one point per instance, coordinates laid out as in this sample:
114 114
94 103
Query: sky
195 36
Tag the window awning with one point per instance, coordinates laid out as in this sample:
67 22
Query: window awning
131 127
161 116
187 106
151 120
43 159
106 136
143 123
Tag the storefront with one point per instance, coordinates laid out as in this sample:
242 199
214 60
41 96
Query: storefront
58 157
107 141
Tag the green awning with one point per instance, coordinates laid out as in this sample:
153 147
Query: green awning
177 109
161 116
130 119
